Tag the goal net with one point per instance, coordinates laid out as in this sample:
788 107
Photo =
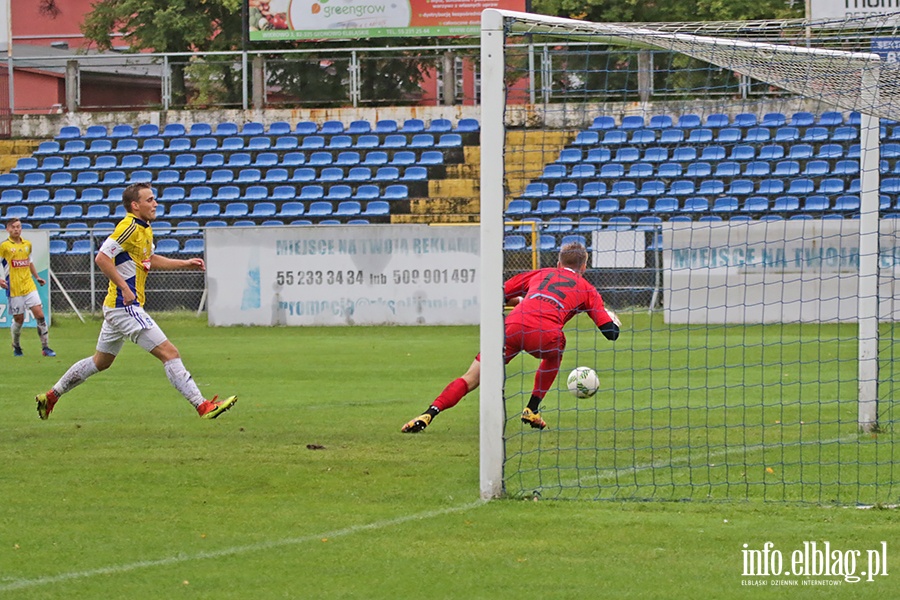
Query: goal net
736 185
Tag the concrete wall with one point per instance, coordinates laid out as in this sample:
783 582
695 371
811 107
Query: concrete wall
554 116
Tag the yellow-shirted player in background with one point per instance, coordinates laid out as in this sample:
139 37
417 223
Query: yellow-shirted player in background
15 255
125 258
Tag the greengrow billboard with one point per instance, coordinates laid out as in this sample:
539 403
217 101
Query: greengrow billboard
343 19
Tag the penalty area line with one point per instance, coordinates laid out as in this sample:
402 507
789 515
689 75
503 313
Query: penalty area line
234 550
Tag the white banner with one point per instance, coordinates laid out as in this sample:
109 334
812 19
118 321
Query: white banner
343 275
769 272
841 9
619 249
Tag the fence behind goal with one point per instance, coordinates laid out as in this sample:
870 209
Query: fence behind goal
749 245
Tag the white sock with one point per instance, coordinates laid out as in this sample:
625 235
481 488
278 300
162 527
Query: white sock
183 382
42 332
16 330
76 375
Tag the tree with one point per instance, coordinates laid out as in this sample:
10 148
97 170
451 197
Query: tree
171 26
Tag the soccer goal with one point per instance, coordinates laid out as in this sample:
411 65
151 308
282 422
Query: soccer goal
739 199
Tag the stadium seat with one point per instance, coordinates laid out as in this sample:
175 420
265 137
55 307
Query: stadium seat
814 135
291 209
329 174
319 209
520 207
623 188
292 159
688 121
467 126
816 204
348 208
311 192
263 210
376 208
773 119
800 152
422 140
339 192
831 186
740 187
648 223
514 242
238 160
614 137
167 246
669 170
283 193
367 192
802 119
387 174
771 187
193 246
709 154
698 169
786 204
742 152
695 204
415 173
755 204
846 203
611 171
643 136
725 204
306 128
786 134
207 210
199 193
395 192
639 171
666 204
786 168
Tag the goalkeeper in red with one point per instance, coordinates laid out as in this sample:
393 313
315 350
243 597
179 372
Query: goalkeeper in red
545 300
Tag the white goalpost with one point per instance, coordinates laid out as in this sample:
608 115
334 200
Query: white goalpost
678 416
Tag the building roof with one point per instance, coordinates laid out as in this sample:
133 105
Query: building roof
53 60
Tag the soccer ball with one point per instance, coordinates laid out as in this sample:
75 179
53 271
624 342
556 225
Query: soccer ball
583 382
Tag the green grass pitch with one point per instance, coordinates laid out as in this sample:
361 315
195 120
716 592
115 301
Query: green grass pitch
306 489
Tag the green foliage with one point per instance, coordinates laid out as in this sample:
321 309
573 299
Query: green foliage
626 11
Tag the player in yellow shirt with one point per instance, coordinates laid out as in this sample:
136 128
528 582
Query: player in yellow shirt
15 256
125 258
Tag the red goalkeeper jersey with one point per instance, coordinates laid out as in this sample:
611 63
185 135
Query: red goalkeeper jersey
552 296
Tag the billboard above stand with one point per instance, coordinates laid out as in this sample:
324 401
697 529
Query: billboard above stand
353 19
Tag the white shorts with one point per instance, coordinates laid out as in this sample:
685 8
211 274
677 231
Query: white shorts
131 322
19 304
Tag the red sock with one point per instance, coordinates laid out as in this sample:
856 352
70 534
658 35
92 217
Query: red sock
545 376
451 395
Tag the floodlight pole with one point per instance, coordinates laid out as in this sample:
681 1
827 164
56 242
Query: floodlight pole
491 409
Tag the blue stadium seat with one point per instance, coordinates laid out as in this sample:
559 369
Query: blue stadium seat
742 152
312 142
700 136
846 168
717 121
167 246
786 168
98 211
558 225
845 134
639 171
291 209
816 204
387 126
339 142
713 153
681 188
306 128
586 138
695 204
416 173
613 137
756 204
283 193
802 119
757 135
199 193
831 119
73 147
248 176
347 159
27 163
815 134
627 154
207 210
80 247
303 174
757 168
603 123
648 223
311 192
227 193
394 141
348 208
376 208
519 207
357 174
69 132
698 169
422 140
727 169
387 174
656 155
45 148
728 135
319 209
212 160
689 121
636 205
666 204
831 186
331 128
467 126
623 188
643 136
786 204
330 174
598 155
669 170
787 134
744 120
286 142
70 212
725 204
263 210
193 246
255 193
514 242
773 119
395 192
403 158
359 128
652 188
339 192
611 171
440 126
368 192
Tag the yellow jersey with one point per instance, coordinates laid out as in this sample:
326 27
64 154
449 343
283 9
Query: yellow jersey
16 257
130 246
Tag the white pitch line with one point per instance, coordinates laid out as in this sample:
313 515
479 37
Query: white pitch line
182 558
